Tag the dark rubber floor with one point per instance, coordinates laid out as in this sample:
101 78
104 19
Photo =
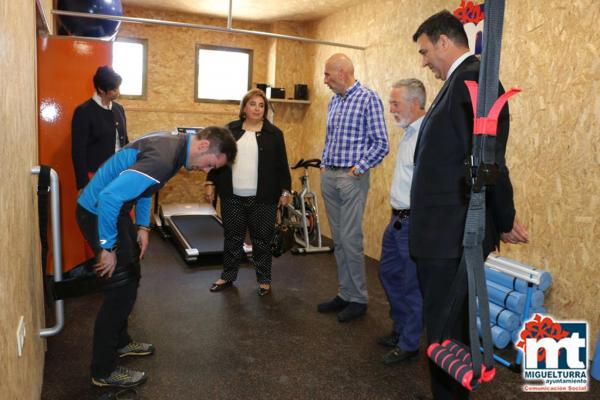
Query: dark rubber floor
236 345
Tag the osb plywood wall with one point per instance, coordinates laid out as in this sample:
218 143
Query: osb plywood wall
551 50
20 271
170 83
291 68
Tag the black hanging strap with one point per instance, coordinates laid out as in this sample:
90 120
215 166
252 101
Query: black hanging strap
483 170
43 190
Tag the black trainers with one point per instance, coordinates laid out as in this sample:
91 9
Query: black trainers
398 355
390 340
335 305
352 311
136 349
121 377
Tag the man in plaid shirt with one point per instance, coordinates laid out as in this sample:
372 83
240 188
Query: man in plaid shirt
356 141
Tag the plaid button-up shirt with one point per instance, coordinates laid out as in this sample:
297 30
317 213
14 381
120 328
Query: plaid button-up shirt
356 130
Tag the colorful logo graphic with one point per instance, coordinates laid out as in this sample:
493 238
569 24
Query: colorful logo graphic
472 17
555 355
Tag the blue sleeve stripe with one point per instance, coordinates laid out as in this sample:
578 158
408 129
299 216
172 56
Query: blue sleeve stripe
143 174
126 187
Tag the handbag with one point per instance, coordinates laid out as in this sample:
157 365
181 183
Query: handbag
283 236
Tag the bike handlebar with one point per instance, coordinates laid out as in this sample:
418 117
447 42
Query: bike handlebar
313 162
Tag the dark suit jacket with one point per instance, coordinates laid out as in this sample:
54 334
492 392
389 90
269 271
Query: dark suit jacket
93 137
273 167
439 193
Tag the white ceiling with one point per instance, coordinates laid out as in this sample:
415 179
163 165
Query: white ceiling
252 10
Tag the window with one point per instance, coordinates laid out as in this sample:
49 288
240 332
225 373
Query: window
222 73
129 61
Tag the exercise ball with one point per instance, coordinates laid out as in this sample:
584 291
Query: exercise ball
90 27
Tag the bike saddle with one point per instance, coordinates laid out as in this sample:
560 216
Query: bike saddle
302 163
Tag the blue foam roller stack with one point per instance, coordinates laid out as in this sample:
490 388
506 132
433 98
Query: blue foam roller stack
537 298
538 310
507 297
513 300
502 279
503 317
500 336
90 27
514 335
516 284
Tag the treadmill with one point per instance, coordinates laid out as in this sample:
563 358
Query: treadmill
195 228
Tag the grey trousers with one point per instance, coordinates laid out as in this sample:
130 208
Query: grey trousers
345 198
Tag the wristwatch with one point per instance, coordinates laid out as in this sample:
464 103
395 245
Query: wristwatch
112 249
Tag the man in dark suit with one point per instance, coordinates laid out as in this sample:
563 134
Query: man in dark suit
439 192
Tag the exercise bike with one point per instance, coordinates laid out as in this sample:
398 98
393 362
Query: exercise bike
303 214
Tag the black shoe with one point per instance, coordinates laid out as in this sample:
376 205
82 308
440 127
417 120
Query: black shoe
335 305
217 287
390 340
263 291
398 355
352 311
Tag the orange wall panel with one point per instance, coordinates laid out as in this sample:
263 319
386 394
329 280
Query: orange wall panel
65 70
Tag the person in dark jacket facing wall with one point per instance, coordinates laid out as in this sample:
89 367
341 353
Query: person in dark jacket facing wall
250 191
98 128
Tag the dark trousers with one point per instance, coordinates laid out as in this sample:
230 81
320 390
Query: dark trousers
241 214
398 274
110 328
435 277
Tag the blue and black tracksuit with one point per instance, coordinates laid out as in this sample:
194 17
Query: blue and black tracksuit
127 179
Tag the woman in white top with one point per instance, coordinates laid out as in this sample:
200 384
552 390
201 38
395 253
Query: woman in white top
250 191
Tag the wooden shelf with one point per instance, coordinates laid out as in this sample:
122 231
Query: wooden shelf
289 101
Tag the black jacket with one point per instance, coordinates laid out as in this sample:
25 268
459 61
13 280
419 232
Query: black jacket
93 137
438 198
273 168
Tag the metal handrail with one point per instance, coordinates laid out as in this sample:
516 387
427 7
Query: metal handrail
228 29
56 250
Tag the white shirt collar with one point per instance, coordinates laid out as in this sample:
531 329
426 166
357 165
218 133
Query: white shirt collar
98 100
456 63
414 126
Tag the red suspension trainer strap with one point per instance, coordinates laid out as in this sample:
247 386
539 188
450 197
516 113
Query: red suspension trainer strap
488 125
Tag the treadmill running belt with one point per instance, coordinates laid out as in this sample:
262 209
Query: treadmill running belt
203 232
